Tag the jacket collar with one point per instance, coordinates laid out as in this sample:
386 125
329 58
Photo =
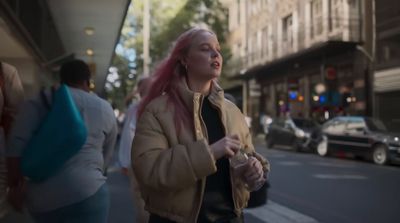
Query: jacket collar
216 95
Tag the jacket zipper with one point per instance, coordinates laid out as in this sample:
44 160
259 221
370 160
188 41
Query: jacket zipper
230 170
203 182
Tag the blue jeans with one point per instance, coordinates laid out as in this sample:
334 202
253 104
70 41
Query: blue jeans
94 209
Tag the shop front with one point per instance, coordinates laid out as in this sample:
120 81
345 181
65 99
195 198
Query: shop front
319 84
387 97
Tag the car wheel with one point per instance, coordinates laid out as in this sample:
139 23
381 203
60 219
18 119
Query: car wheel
322 147
380 155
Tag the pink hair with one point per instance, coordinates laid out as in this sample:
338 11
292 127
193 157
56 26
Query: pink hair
167 76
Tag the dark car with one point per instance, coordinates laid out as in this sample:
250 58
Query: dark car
361 136
300 134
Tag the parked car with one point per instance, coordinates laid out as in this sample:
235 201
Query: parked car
300 134
361 136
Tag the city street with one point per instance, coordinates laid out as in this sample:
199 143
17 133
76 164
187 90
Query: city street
305 188
320 74
333 189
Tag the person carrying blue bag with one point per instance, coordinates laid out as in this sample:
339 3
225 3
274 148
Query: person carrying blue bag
63 140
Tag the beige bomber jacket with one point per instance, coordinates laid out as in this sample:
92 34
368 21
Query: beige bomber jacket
171 169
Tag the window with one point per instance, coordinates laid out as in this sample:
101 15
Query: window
355 125
259 39
288 31
240 50
278 123
375 125
316 18
255 5
335 126
265 2
234 15
289 124
335 9
238 11
252 47
264 41
305 123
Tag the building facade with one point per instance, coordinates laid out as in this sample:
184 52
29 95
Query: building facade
305 58
36 36
387 63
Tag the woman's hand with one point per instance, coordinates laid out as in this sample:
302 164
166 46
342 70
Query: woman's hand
225 147
254 175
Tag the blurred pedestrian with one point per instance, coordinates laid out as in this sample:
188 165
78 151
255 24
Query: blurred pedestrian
11 96
186 137
124 154
78 191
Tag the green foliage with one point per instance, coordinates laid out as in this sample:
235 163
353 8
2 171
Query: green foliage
193 13
169 18
120 81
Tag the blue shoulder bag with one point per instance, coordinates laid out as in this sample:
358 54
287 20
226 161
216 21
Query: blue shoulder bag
60 136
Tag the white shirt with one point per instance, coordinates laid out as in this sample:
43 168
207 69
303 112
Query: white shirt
82 175
127 134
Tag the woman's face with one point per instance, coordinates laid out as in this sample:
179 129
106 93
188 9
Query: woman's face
204 59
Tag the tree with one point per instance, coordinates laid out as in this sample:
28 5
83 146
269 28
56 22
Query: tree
208 13
120 81
127 64
169 18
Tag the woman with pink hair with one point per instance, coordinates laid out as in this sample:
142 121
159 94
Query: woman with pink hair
192 153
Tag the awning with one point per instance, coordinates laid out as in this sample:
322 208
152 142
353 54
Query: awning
387 80
105 17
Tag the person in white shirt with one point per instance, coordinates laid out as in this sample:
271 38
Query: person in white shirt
124 154
78 191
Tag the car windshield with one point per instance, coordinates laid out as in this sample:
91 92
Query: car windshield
375 125
305 123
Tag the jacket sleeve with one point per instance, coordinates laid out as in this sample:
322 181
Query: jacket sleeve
251 149
162 166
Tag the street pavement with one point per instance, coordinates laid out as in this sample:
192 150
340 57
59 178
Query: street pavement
332 189
305 188
122 210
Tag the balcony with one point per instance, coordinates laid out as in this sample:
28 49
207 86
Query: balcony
337 30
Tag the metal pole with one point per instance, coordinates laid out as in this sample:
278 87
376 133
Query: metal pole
146 38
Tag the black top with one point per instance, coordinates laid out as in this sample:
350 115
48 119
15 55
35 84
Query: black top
217 205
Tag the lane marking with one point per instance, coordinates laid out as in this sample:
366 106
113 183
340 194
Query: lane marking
276 213
276 155
329 164
289 163
340 176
